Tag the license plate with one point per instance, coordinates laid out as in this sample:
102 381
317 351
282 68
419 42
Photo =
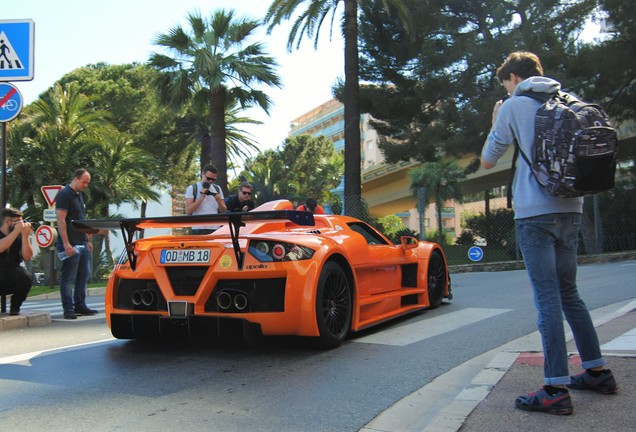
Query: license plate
185 256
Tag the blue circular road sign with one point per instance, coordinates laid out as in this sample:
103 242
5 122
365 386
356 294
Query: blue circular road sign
10 102
475 253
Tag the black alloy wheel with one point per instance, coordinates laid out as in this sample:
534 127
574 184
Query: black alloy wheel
333 306
436 279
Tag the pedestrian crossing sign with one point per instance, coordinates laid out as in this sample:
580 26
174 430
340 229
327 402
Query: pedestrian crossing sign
16 50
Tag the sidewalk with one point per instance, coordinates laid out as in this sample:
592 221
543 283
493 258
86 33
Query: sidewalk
479 394
592 411
36 318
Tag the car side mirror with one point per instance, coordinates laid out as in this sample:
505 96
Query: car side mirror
408 242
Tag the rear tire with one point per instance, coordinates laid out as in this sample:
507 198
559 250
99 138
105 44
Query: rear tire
333 306
437 279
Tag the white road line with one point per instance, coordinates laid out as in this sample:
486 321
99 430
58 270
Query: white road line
625 342
428 328
28 356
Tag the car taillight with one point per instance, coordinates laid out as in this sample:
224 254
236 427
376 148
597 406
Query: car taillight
273 251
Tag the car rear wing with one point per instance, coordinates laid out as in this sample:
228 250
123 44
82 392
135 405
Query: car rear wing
235 221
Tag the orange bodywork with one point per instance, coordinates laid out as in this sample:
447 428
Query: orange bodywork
241 282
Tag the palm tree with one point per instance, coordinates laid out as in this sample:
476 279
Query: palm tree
442 179
239 143
213 60
56 135
268 174
120 176
309 23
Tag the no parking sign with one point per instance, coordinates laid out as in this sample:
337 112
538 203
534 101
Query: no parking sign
45 235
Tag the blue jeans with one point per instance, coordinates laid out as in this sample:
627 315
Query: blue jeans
76 271
549 247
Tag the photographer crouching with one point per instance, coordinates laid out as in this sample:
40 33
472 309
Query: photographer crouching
14 248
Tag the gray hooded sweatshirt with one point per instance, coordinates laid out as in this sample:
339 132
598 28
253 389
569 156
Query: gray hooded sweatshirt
515 119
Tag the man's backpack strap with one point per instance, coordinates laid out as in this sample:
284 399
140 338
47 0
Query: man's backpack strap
513 169
539 97
194 193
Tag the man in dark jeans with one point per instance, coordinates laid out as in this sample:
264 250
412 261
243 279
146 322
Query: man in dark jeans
547 232
73 246
14 247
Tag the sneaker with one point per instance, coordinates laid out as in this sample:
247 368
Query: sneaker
560 403
605 383
85 311
70 315
14 311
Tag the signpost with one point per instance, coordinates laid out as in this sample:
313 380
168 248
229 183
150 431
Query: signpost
10 102
475 253
17 42
45 235
10 106
50 193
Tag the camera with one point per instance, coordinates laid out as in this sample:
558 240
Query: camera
206 185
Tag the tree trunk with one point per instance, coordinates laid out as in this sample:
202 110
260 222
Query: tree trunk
218 151
142 214
353 172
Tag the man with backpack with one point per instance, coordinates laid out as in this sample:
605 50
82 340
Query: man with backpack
205 197
547 228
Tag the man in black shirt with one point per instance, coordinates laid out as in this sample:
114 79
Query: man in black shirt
14 247
241 202
73 246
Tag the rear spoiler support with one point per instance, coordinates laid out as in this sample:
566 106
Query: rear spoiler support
235 226
237 220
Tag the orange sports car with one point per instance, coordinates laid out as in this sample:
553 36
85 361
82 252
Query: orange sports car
270 271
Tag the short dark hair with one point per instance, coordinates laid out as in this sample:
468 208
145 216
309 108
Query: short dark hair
79 173
246 185
10 212
524 64
209 167
310 204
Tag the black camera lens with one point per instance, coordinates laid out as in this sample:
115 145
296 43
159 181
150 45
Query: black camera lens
205 185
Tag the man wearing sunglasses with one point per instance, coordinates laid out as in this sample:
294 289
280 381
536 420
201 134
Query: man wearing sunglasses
14 247
205 197
241 202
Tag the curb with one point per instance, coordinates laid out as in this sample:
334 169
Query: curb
35 318
31 319
90 292
449 401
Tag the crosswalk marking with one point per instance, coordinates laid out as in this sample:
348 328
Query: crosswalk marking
428 328
56 311
625 342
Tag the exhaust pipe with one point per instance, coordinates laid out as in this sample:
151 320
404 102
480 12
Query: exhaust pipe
148 297
136 298
240 301
223 300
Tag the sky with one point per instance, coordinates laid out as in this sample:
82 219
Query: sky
70 34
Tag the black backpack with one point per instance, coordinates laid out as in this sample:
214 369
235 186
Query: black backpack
575 147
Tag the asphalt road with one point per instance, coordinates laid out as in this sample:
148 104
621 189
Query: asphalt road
73 375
